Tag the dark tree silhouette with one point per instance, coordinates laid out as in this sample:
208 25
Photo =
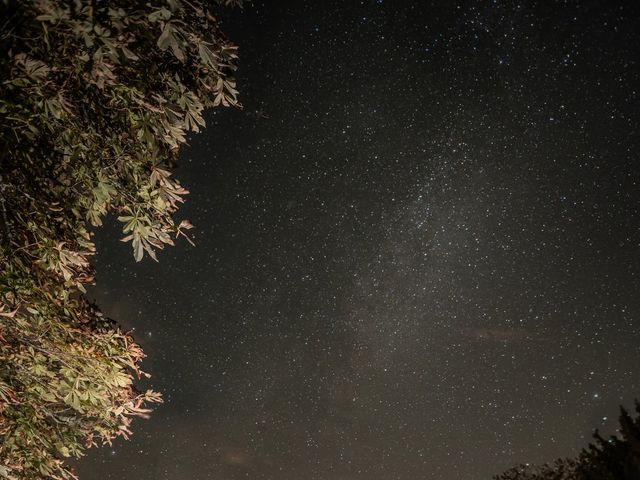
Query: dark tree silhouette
615 458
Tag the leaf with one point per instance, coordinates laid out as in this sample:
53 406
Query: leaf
206 55
137 249
35 69
4 473
159 15
129 54
166 37
169 39
12 313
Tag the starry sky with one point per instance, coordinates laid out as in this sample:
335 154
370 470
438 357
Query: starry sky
417 248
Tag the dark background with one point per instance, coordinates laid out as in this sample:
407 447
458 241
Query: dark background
418 252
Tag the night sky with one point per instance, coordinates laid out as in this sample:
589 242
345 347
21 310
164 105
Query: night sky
417 248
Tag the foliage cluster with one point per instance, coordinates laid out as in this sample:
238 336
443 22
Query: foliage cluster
96 97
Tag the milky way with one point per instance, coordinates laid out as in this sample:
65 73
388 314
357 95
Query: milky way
417 248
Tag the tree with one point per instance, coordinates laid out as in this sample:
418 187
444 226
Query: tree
96 98
615 458
562 469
